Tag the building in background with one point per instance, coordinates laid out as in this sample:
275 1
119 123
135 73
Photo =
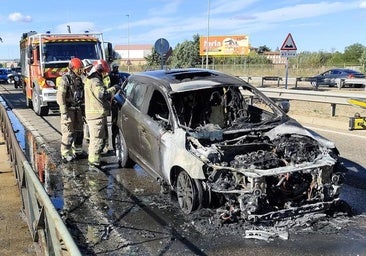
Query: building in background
133 54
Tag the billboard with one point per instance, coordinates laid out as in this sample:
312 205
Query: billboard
224 45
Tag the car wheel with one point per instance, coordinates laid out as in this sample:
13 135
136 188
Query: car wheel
121 151
189 193
36 102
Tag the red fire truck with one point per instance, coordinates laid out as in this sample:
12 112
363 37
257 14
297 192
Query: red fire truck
45 56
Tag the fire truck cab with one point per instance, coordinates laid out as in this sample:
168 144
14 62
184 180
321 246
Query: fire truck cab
44 57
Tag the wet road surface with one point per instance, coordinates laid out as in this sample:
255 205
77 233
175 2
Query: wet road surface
122 212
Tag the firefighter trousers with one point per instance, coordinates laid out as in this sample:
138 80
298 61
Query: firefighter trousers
97 140
72 132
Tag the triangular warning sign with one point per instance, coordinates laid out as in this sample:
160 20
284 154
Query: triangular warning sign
289 43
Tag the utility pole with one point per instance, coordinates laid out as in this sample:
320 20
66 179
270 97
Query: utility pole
208 33
128 43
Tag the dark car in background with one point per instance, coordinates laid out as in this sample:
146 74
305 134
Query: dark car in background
213 138
123 75
336 77
4 75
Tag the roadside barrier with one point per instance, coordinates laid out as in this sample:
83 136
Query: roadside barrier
49 233
331 98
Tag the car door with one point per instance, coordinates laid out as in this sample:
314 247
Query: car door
130 115
334 75
151 130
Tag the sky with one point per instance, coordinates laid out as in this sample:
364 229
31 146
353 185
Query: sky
314 25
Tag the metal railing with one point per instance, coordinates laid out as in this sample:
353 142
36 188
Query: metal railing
46 227
333 98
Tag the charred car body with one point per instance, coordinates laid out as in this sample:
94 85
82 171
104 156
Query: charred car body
212 138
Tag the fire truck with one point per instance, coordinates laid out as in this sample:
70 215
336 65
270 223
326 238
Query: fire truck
45 56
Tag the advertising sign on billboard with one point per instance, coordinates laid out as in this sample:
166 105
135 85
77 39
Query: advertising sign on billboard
224 45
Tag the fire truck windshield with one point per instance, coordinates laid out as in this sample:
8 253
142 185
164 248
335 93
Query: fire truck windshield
64 51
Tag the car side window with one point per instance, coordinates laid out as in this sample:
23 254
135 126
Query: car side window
158 106
137 96
135 93
127 89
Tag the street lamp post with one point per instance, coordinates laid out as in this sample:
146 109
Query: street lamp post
128 42
208 33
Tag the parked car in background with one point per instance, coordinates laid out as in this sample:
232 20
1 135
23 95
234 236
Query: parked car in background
4 75
123 75
210 137
334 77
14 77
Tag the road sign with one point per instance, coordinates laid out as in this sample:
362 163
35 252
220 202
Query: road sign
161 46
288 48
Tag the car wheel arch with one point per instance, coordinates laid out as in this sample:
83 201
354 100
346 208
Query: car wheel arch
202 197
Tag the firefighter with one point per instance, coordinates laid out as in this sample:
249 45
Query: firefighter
114 75
114 79
87 67
70 98
97 101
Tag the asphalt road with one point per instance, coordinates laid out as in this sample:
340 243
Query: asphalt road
121 211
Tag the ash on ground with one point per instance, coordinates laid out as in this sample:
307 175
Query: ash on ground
208 222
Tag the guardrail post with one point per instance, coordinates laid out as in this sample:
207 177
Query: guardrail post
333 106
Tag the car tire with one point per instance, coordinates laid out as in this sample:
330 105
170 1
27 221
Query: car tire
36 102
189 193
121 152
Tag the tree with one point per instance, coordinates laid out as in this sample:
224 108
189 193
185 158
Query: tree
153 59
352 53
262 49
363 60
186 54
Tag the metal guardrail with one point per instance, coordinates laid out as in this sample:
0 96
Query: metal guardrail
332 98
47 229
272 78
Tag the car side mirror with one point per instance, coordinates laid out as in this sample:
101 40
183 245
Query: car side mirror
284 105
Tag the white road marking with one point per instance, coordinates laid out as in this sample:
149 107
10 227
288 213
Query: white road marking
340 133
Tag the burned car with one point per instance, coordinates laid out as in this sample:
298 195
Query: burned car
216 140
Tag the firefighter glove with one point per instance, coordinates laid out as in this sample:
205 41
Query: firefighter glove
117 87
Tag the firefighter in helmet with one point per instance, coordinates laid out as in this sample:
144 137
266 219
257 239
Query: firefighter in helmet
70 98
114 75
114 79
97 101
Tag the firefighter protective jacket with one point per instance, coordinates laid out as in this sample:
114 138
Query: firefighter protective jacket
97 97
70 92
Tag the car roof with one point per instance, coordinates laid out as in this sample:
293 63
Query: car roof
179 80
346 70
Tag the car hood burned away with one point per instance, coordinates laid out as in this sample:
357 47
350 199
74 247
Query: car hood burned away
223 144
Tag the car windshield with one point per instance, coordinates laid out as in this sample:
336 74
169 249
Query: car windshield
228 107
64 51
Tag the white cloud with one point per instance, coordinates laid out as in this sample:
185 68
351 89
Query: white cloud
363 4
17 16
167 7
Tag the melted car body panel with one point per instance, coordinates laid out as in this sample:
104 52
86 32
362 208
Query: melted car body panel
231 140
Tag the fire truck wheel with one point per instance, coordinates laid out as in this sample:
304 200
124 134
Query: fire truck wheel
41 111
28 102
